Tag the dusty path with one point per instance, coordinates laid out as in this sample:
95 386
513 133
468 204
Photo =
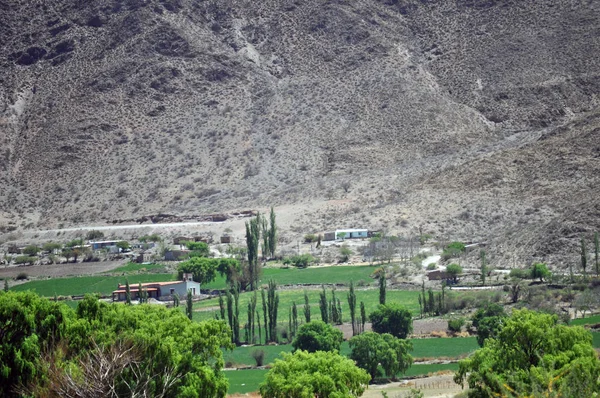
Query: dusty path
131 226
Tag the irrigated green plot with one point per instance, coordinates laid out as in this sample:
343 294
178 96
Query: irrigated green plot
450 348
444 347
308 276
76 286
590 320
248 380
244 381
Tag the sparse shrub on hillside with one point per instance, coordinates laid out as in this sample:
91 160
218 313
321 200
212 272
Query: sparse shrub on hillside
345 253
20 260
21 276
94 235
431 266
310 238
453 250
300 261
31 250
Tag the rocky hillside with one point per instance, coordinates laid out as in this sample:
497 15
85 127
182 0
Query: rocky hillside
472 119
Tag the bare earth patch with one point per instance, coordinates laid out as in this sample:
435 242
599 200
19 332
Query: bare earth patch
60 270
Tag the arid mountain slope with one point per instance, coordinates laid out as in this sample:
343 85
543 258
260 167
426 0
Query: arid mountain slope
407 110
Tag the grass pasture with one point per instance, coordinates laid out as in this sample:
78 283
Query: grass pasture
590 320
451 348
308 276
248 380
76 286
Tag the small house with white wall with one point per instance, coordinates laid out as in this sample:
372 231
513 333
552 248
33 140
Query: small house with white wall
341 234
158 290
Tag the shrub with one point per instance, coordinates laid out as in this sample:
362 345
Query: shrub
431 266
94 235
453 250
22 276
25 260
31 250
300 261
310 238
318 336
519 273
393 319
455 325
259 357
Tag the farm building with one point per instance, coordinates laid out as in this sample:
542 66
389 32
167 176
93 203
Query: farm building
176 255
104 244
346 234
226 239
159 290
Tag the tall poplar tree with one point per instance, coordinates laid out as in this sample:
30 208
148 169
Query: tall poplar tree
352 307
583 256
382 287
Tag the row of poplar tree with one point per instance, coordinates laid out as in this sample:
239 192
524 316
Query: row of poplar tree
330 311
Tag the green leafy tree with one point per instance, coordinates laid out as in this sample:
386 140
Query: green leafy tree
539 270
189 309
252 243
272 308
29 325
31 250
6 285
272 233
306 308
341 235
318 336
198 249
345 253
51 247
583 256
300 261
204 270
321 374
393 319
483 267
488 321
127 293
597 252
382 287
454 270
324 305
123 245
533 354
363 316
370 350
352 307
453 250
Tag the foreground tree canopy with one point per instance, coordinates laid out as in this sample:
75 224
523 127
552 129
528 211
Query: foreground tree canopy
320 374
370 350
393 319
318 336
532 354
47 349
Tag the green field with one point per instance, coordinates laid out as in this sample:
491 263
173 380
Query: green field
308 276
422 348
76 286
590 320
248 380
